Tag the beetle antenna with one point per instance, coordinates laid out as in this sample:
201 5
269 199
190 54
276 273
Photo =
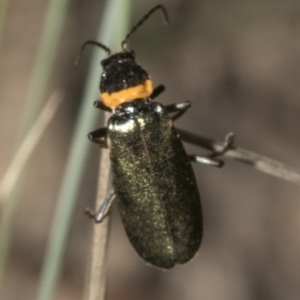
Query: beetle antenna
140 22
106 49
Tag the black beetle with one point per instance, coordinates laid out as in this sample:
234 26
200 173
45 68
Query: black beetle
153 178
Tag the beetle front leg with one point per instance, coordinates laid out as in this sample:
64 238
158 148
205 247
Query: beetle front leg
211 158
99 137
157 91
99 104
104 209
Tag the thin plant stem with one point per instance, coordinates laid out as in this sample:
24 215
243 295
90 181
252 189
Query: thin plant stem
98 266
28 145
3 10
257 161
34 101
7 209
112 26
97 276
50 35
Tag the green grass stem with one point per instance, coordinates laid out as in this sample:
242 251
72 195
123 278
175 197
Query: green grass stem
112 30
34 101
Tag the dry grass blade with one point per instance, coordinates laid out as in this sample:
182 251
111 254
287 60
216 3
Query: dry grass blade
26 148
3 9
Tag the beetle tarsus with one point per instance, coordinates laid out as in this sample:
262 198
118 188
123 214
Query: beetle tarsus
89 212
228 143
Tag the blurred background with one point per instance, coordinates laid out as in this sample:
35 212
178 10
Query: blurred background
238 62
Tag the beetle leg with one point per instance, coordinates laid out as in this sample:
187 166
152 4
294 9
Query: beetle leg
228 143
99 104
211 158
104 209
99 136
206 160
199 141
157 91
178 109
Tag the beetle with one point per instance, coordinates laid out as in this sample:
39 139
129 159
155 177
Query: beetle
153 179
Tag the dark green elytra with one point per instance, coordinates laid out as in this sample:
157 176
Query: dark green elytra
155 185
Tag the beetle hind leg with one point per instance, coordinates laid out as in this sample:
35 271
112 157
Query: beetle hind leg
104 209
206 160
211 158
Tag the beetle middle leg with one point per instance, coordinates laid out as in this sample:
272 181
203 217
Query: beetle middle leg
104 209
199 141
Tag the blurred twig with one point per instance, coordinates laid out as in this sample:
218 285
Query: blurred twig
3 9
35 98
8 205
51 32
28 145
259 162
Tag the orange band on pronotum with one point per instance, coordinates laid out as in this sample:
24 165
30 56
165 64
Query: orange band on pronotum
140 91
